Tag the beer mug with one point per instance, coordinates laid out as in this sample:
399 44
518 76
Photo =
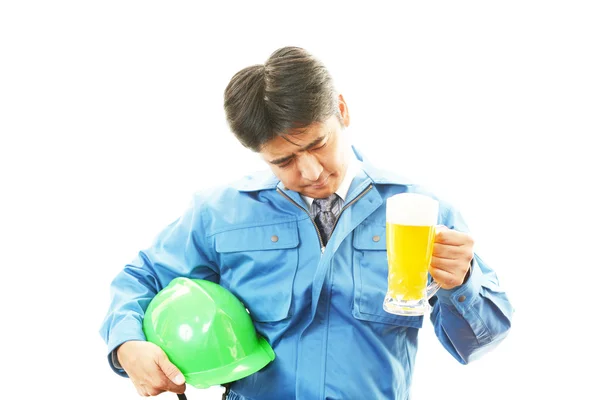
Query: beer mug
410 230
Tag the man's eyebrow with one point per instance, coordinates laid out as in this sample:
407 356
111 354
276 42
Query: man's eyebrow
281 160
307 147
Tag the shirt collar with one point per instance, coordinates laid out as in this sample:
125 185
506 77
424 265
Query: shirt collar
342 191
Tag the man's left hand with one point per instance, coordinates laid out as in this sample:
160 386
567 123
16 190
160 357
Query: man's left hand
452 255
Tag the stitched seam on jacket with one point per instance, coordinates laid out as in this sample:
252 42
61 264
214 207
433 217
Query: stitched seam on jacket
255 225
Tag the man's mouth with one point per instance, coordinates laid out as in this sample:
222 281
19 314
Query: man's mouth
321 183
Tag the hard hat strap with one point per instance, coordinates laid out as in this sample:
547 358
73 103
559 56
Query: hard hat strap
182 395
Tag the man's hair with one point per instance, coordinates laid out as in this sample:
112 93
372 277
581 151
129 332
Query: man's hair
289 92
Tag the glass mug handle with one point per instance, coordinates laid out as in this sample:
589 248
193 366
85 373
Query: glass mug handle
433 287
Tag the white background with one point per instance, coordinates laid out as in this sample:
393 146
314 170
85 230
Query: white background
111 117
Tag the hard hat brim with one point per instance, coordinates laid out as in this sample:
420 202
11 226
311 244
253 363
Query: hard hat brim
233 372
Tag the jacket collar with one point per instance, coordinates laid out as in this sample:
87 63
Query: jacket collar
262 180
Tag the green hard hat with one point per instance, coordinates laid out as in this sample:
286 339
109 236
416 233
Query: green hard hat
206 332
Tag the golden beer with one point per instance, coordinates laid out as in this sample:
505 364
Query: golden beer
410 231
409 250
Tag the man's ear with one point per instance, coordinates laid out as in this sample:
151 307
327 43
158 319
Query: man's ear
344 112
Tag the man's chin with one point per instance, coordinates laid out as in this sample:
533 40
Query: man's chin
318 193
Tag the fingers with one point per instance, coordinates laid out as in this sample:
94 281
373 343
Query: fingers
447 280
147 391
451 237
147 388
157 386
449 272
175 380
450 245
448 251
149 369
447 265
179 389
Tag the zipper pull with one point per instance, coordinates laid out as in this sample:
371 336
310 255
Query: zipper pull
322 250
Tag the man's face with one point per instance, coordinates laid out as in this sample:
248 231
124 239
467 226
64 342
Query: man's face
312 161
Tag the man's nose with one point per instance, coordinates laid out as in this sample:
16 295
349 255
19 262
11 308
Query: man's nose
309 166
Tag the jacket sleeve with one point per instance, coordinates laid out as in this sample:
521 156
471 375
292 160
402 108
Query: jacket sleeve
471 319
181 249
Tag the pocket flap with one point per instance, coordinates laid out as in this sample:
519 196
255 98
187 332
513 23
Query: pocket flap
265 237
369 237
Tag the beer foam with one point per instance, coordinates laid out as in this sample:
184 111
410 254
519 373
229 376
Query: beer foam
412 209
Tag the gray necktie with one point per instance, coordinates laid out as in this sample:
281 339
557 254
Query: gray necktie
324 216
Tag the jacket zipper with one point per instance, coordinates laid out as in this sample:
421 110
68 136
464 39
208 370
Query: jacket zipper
336 220
307 213
349 204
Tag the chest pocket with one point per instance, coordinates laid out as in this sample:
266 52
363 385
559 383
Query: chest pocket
371 277
258 265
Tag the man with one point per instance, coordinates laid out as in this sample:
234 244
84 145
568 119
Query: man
303 247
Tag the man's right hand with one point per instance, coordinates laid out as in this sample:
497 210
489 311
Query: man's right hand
149 368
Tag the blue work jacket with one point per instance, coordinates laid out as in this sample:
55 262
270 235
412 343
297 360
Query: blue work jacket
319 307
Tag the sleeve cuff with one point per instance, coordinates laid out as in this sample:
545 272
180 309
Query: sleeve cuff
126 330
464 295
114 364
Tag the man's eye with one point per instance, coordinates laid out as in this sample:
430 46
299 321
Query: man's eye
285 164
321 146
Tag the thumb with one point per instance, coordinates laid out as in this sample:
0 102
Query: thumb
170 370
440 228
